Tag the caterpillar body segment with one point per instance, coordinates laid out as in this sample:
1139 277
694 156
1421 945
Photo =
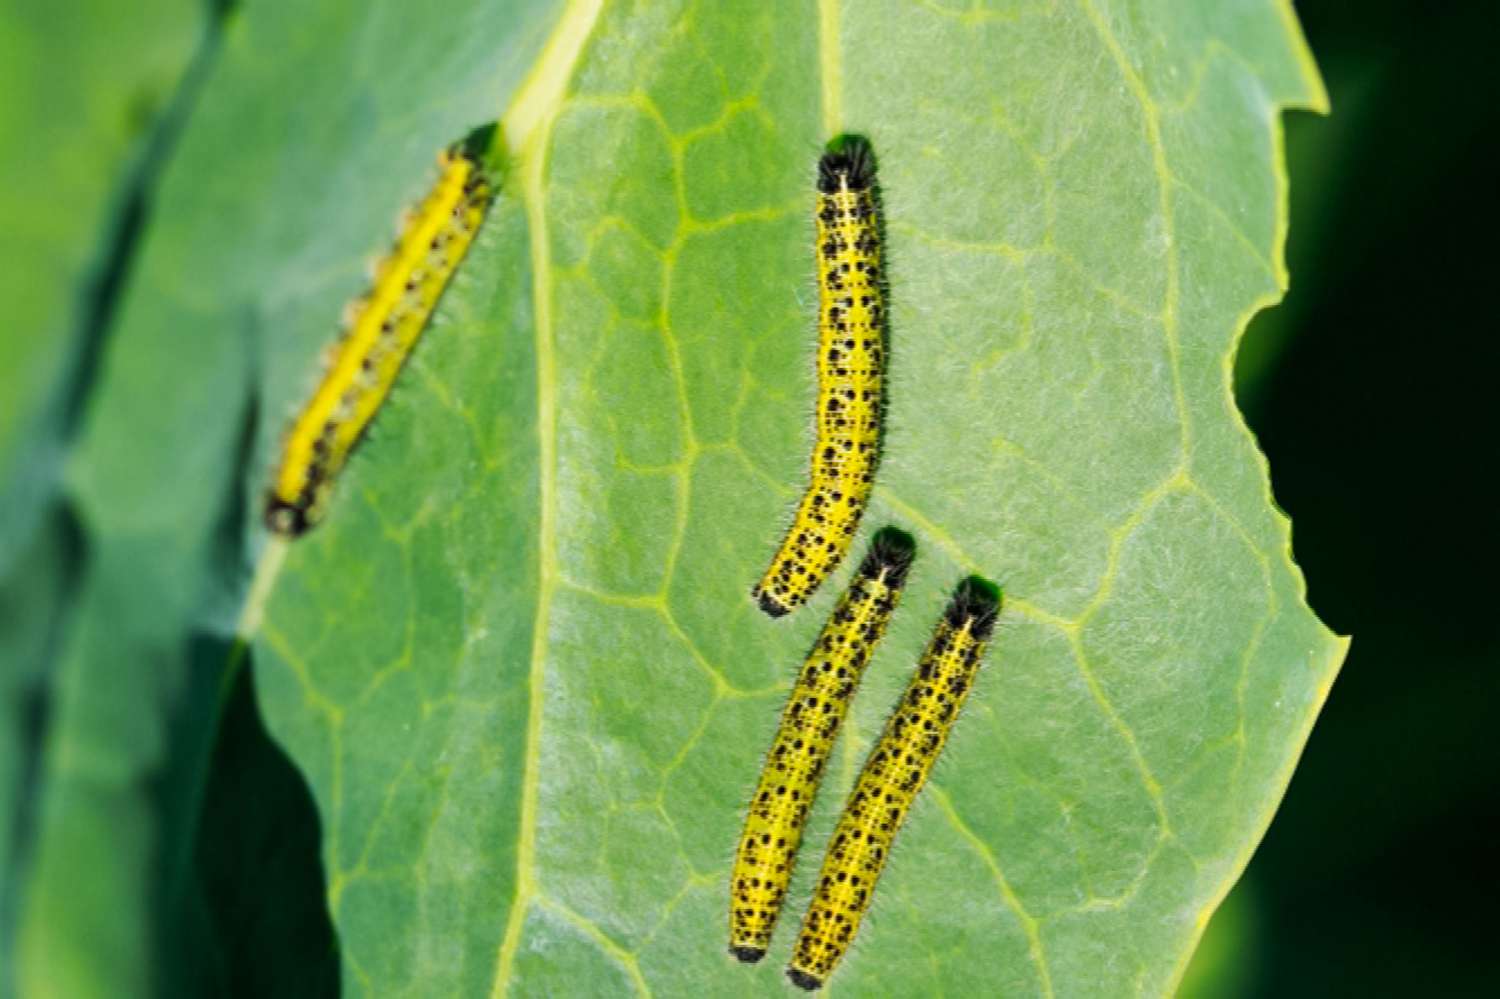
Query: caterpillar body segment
381 330
851 375
894 773
809 724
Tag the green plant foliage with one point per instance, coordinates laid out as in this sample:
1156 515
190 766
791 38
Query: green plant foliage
319 111
85 84
95 75
519 666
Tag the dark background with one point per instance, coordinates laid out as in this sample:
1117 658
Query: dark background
1372 391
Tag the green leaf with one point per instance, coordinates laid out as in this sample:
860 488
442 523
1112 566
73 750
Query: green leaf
87 85
89 81
519 665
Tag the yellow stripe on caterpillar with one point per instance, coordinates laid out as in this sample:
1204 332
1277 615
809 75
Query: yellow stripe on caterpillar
380 332
809 724
894 773
851 375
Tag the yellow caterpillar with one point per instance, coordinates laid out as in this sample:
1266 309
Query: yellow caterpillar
809 724
851 373
893 774
380 331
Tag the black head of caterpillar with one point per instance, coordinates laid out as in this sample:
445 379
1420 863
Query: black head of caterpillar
892 550
976 600
479 148
850 157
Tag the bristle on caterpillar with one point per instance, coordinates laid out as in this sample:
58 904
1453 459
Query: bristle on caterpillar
380 330
851 376
809 724
894 773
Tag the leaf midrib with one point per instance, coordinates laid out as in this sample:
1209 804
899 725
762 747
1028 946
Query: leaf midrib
527 128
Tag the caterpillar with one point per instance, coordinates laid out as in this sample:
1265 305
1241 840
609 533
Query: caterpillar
851 373
809 724
893 774
380 330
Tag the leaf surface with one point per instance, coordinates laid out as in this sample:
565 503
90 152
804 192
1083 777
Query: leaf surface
521 666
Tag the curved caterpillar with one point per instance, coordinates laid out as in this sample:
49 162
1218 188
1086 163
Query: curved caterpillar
851 373
894 773
809 724
380 331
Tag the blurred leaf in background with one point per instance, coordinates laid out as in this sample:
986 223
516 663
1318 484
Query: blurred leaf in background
518 667
95 91
94 94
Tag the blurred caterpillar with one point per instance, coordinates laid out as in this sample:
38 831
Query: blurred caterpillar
851 373
809 724
380 330
893 774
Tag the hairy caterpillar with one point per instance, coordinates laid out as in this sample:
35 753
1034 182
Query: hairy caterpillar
851 373
380 330
809 724
893 774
